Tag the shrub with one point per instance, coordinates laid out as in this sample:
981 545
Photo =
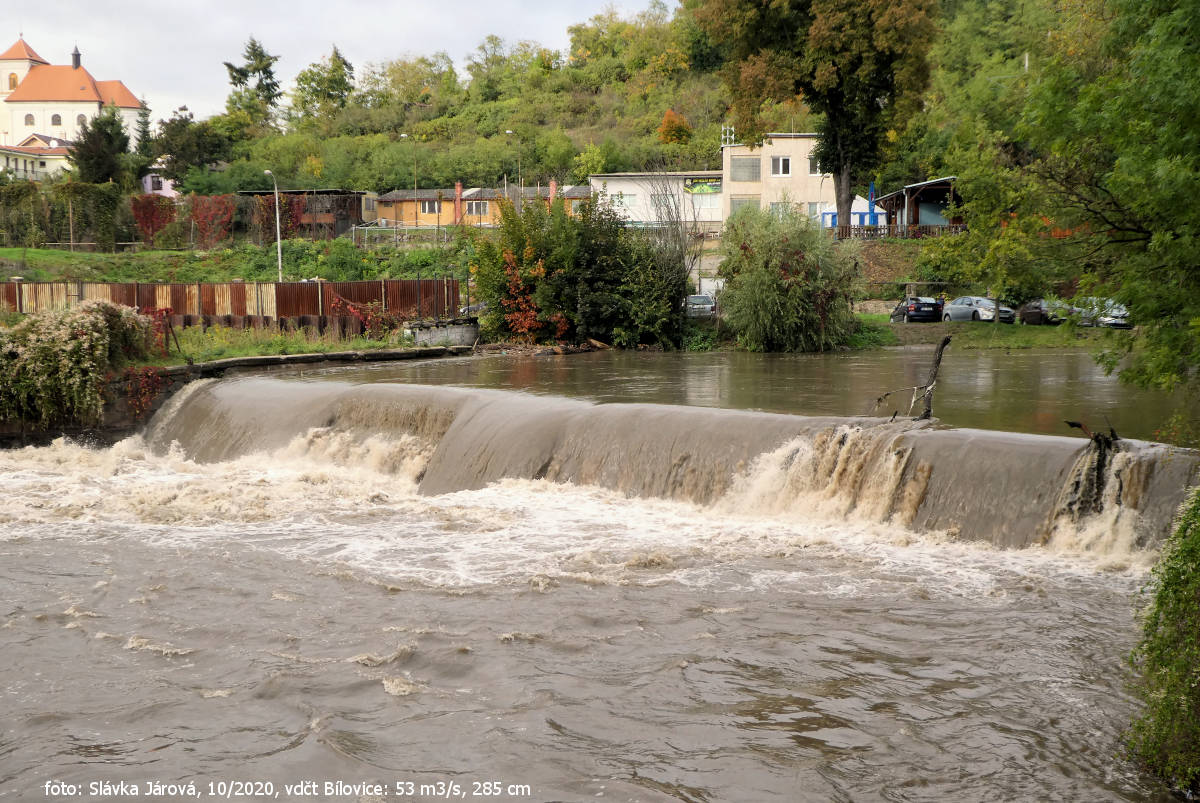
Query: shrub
53 364
787 287
1166 737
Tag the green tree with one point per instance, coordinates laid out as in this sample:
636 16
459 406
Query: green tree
788 287
855 62
145 139
251 104
98 153
323 87
184 144
1119 163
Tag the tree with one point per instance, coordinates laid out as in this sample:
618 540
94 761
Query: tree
145 145
1111 129
97 155
323 87
184 143
255 95
856 62
674 127
787 285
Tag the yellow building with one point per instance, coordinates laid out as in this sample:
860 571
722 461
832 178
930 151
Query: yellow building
477 206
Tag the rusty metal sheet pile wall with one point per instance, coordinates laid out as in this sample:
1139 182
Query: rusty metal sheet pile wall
297 298
436 298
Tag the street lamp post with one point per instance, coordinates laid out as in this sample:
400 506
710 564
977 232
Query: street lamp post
519 194
278 237
416 203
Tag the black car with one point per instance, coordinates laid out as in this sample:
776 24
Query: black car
917 308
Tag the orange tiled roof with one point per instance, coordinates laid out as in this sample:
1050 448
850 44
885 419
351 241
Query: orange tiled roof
34 151
22 51
117 94
58 83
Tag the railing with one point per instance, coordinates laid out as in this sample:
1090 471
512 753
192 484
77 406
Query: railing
902 231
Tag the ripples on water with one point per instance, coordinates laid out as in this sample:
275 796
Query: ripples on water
308 615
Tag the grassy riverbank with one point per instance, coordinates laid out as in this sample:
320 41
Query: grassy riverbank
984 335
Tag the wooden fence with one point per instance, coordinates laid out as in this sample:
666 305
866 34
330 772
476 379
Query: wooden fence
409 298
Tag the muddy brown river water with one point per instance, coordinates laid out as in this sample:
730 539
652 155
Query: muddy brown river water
362 585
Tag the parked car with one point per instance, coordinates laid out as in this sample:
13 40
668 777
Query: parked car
917 308
1044 312
701 305
975 308
1102 312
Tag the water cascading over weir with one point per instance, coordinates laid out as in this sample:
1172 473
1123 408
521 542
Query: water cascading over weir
1012 490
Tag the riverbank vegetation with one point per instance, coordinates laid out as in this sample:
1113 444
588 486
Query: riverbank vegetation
53 365
788 286
218 342
334 260
1166 736
551 276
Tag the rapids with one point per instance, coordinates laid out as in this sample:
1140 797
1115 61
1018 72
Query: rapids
285 582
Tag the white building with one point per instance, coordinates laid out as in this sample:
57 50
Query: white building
782 170
648 199
50 102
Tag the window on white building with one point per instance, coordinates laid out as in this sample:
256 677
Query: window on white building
745 168
626 199
781 165
56 119
29 119
706 200
814 169
814 209
155 183
477 208
80 120
737 203
431 207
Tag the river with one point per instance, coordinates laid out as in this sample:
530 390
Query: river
345 578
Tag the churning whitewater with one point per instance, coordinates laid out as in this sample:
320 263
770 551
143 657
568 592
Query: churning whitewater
284 582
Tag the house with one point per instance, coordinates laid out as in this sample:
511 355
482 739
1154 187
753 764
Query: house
54 100
925 208
477 206
155 183
36 157
783 170
648 199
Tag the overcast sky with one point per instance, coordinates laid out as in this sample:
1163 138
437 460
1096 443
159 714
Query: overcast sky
172 54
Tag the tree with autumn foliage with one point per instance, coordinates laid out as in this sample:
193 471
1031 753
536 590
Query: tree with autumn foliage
152 213
674 128
858 63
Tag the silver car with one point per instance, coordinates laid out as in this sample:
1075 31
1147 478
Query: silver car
975 308
701 305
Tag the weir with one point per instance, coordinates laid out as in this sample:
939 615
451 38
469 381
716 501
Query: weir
1012 490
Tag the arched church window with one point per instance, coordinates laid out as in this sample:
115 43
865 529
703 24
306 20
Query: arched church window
56 119
29 119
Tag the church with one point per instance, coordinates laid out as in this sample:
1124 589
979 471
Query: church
43 105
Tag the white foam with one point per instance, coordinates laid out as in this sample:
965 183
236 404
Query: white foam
351 505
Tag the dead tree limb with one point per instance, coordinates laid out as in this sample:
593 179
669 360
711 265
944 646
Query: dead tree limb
920 391
932 380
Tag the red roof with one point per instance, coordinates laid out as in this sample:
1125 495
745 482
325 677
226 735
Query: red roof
23 52
34 151
116 94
